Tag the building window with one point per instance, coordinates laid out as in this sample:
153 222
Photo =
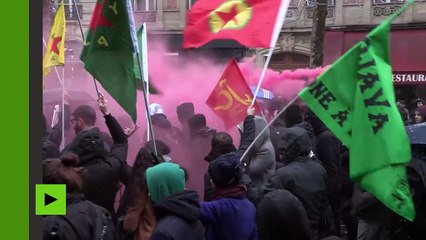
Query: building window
353 2
171 4
145 5
387 1
311 3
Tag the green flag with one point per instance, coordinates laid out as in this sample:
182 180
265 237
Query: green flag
152 89
355 99
108 52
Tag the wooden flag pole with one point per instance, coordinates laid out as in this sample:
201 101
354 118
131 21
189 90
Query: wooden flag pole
84 40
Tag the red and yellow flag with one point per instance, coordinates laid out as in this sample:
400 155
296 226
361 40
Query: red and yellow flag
54 55
232 96
253 23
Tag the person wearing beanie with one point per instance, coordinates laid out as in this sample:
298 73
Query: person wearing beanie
230 216
222 143
419 102
176 210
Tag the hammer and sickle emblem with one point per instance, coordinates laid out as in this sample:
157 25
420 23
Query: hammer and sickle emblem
228 103
230 95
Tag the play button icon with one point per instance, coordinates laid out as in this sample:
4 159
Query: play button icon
51 199
48 199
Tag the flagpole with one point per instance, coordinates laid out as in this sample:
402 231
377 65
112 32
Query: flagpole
151 130
267 126
262 76
144 48
279 21
84 40
56 70
63 108
144 86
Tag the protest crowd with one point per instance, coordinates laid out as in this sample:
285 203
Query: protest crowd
347 161
293 184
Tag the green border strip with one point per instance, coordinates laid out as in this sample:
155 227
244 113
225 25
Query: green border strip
14 99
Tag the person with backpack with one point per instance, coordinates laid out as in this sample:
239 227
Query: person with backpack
103 170
84 220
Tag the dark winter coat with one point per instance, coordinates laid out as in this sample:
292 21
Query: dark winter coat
275 132
280 215
328 151
367 207
102 171
229 219
403 229
83 221
278 129
49 149
301 176
178 218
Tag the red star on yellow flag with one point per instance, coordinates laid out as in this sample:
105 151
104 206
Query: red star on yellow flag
54 55
55 42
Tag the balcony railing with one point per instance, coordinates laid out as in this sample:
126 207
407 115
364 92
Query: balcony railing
144 16
310 12
386 7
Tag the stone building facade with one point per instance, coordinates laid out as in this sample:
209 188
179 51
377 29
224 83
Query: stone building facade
347 22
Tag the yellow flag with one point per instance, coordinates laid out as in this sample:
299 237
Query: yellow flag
54 55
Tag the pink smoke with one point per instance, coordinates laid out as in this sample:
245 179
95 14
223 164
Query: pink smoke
181 79
284 85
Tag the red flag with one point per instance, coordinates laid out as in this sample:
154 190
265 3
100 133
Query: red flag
253 23
232 96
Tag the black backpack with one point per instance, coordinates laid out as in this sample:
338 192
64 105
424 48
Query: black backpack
65 227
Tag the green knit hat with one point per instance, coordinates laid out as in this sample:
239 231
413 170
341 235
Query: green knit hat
164 180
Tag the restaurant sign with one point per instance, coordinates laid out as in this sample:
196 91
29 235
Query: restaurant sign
409 78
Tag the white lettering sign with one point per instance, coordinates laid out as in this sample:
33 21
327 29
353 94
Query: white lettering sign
407 78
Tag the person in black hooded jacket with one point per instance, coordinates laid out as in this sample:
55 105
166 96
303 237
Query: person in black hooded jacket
103 170
280 215
328 151
176 210
83 219
291 117
302 176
